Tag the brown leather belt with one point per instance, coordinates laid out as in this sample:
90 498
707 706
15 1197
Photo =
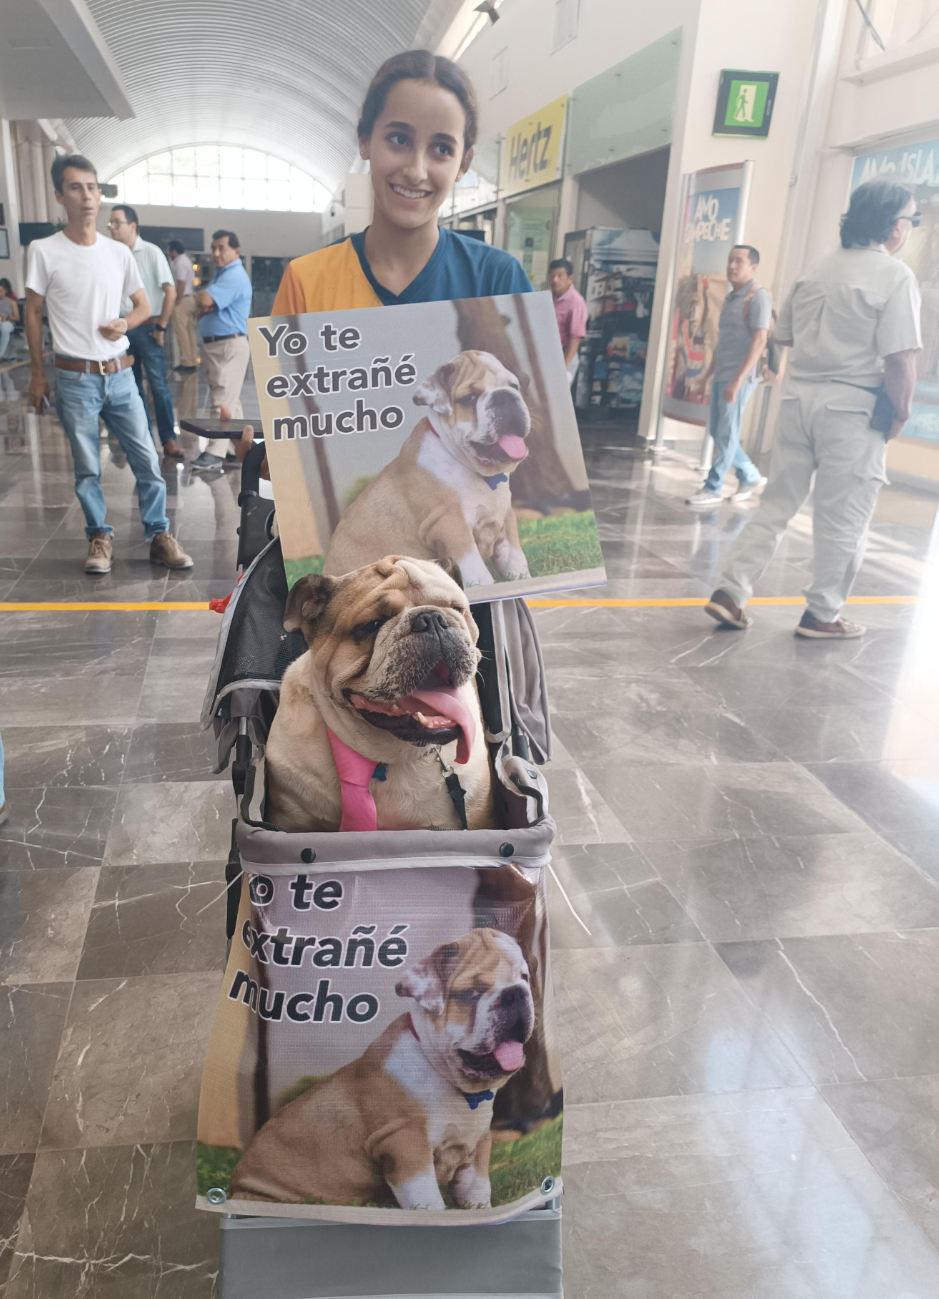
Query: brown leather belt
94 367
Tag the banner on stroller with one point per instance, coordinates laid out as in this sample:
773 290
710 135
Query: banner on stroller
384 1050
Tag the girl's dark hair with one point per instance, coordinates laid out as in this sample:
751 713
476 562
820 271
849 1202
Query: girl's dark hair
5 284
420 65
870 217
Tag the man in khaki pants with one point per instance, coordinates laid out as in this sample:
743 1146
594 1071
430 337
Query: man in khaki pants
223 328
184 313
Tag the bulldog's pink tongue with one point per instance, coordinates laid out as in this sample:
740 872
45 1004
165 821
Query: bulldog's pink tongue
513 446
510 1056
446 701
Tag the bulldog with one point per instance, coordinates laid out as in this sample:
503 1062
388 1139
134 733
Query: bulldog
413 1113
390 671
446 494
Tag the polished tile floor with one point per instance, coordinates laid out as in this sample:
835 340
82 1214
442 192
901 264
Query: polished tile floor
745 903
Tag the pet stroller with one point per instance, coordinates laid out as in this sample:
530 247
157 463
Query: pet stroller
291 1026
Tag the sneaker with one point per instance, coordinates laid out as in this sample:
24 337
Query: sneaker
722 609
704 499
746 490
171 449
99 553
206 461
165 549
814 629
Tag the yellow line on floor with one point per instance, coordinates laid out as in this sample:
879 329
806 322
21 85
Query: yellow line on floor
92 606
689 602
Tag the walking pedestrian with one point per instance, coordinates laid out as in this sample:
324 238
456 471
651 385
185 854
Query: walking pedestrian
9 315
80 277
223 327
852 322
744 327
146 343
184 313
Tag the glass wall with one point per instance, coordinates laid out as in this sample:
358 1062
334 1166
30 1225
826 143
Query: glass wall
530 229
220 175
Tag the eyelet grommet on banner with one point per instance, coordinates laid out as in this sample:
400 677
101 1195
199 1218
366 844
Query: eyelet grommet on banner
507 850
215 1195
547 1186
307 855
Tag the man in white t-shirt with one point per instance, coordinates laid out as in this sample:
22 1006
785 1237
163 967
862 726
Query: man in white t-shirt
80 278
852 322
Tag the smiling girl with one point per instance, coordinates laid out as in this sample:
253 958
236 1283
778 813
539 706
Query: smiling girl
417 131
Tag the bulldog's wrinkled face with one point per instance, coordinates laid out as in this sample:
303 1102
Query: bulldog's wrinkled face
476 407
391 646
473 1008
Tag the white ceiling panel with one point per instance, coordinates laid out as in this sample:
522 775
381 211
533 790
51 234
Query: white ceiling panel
286 77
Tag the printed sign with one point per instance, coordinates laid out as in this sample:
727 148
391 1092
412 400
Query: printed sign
745 103
439 430
531 150
384 1045
714 207
917 167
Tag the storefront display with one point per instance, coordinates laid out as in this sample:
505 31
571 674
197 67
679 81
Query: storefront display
615 271
530 231
713 213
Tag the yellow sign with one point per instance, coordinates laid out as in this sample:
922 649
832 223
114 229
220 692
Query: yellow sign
531 150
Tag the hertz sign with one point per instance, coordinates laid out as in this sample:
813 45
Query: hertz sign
531 151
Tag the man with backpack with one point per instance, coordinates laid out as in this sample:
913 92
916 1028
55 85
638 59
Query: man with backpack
746 320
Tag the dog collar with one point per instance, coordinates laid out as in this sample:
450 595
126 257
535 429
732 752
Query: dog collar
473 1099
492 482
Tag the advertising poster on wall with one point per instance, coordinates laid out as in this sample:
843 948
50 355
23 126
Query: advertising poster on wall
714 208
441 430
917 167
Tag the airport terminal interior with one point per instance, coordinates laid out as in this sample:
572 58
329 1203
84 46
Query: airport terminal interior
743 891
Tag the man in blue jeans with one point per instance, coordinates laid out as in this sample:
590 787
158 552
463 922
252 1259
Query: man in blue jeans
744 328
146 342
81 277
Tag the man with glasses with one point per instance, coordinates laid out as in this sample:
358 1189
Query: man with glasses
852 322
80 278
146 342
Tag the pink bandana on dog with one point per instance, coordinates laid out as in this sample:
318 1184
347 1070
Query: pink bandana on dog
354 772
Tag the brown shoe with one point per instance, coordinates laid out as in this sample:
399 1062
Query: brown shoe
172 449
814 629
722 609
165 549
99 553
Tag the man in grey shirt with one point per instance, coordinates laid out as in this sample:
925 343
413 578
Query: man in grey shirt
852 322
744 328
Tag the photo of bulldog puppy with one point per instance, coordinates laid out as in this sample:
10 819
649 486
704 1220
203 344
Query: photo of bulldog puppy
412 1114
447 495
390 670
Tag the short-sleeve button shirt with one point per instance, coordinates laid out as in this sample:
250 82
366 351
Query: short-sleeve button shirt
154 272
743 312
846 312
230 290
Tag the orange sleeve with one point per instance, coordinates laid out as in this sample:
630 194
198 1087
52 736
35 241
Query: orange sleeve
290 298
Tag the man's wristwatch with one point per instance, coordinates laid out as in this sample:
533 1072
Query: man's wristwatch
160 328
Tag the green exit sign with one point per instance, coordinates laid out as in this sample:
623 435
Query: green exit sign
745 103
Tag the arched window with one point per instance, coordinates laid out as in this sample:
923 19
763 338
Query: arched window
222 176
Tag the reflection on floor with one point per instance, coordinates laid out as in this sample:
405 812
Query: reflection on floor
745 904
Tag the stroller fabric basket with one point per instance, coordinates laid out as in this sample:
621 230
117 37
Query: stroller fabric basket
370 975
